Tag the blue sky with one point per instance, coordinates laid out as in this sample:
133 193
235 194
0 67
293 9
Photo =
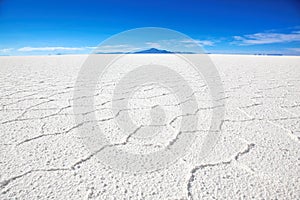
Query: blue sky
29 27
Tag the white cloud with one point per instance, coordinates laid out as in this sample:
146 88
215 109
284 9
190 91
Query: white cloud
153 44
115 48
7 50
190 42
28 49
103 49
294 49
90 47
267 38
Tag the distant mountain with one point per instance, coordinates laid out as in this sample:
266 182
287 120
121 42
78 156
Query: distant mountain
147 51
152 50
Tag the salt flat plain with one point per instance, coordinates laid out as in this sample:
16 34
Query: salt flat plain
256 157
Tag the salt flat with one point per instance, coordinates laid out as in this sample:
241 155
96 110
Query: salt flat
256 157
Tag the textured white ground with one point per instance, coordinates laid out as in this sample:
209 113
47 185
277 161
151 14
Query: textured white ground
257 157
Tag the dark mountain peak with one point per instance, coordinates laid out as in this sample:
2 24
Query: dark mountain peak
153 50
148 51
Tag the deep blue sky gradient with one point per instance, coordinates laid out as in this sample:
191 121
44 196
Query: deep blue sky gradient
37 23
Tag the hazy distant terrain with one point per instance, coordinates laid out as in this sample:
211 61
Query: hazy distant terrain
257 156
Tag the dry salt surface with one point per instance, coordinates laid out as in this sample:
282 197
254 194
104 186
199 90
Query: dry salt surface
256 157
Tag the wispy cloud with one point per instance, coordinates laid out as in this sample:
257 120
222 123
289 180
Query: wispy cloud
28 49
267 38
153 44
115 48
190 43
7 50
90 48
294 49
